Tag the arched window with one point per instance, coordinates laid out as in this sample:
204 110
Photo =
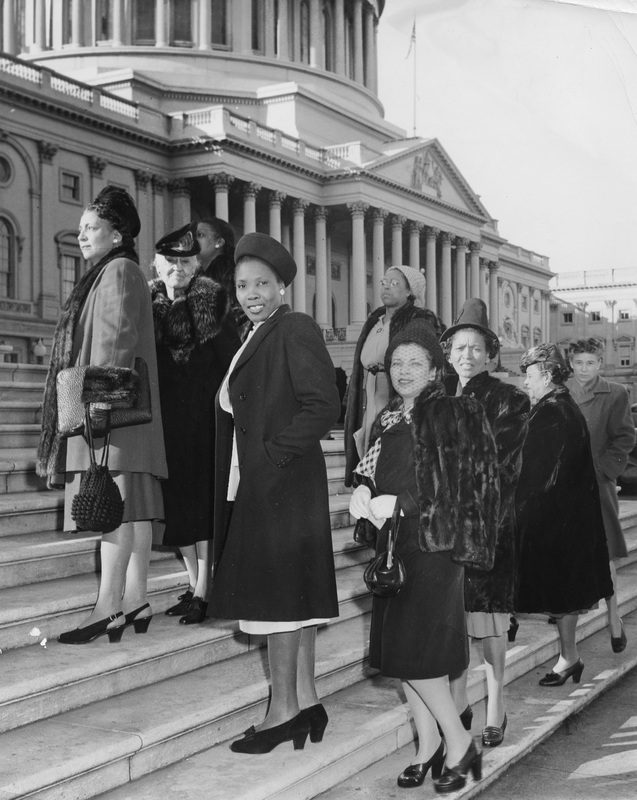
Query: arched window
305 32
8 258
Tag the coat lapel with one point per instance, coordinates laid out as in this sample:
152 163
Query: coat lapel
259 335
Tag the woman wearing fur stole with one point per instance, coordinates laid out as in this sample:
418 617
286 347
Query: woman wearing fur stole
196 341
435 456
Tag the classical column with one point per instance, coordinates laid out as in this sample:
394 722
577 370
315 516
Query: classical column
221 181
339 37
241 25
494 297
39 29
180 195
484 281
76 23
461 273
320 232
250 192
145 241
204 38
316 35
358 283
414 243
282 32
446 299
96 167
161 39
357 25
117 39
378 252
10 27
370 72
430 269
299 207
46 282
269 33
160 223
474 285
546 316
275 199
397 222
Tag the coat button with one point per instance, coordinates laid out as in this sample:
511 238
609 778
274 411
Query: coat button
243 430
242 396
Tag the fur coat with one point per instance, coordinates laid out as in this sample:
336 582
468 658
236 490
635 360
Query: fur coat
507 409
355 394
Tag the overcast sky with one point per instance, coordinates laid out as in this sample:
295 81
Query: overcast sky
535 101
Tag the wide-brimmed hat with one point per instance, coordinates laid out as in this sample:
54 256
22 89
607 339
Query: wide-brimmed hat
117 207
420 332
265 248
473 314
415 280
181 243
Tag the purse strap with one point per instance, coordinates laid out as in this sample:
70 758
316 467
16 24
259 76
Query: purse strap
90 441
393 534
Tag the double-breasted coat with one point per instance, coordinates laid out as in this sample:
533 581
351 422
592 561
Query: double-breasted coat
273 560
563 555
114 328
507 410
606 409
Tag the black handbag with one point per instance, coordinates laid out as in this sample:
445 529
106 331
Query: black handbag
385 575
98 505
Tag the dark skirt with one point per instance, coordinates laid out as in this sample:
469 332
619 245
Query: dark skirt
421 632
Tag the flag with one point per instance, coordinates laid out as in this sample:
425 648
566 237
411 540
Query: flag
412 41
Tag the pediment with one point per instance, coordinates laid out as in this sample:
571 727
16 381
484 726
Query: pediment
425 167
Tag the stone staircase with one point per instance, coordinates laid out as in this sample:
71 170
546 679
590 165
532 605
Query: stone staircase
152 715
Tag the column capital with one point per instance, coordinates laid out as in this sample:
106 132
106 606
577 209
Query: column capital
142 178
494 266
461 241
321 212
432 233
357 209
475 247
415 226
179 187
610 303
276 198
159 183
221 179
250 190
397 220
96 166
546 295
46 151
300 206
446 237
379 215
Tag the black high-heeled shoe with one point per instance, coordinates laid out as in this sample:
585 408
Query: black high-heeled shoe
618 643
139 625
492 736
257 742
560 678
91 632
196 612
318 719
455 778
415 774
513 629
182 606
467 718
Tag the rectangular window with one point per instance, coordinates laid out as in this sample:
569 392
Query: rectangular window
624 361
104 20
182 23
71 266
596 316
536 305
144 22
568 317
70 185
624 315
219 26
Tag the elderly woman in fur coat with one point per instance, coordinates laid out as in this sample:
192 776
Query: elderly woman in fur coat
434 456
490 596
196 340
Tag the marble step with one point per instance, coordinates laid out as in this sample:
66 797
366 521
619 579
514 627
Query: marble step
171 738
19 434
17 471
29 512
21 411
21 390
39 682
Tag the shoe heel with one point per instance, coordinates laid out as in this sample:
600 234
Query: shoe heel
115 634
513 629
436 767
578 674
141 625
299 740
317 731
476 767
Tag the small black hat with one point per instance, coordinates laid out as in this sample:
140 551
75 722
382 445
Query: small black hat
117 207
265 248
473 314
420 332
181 243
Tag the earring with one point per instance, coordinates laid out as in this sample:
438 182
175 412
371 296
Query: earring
547 381
281 292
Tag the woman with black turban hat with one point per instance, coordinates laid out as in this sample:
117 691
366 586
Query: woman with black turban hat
107 322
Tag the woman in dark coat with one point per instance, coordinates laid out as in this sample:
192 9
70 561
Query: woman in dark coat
403 290
435 456
195 345
274 566
563 558
490 596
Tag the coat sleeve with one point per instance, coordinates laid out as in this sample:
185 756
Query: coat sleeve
620 432
313 382
510 428
118 304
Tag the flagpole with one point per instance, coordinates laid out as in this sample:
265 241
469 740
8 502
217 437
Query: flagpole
415 73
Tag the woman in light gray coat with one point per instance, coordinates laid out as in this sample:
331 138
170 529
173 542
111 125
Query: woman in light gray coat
606 408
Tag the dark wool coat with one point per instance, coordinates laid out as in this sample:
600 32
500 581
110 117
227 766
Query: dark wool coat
606 409
355 394
273 560
221 270
507 409
563 554
195 344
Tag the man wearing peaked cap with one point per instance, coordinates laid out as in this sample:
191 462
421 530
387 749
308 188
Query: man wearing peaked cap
264 247
181 243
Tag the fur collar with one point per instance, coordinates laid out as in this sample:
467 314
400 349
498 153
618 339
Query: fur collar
193 318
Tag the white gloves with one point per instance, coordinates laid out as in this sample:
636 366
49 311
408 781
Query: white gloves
382 507
376 511
359 502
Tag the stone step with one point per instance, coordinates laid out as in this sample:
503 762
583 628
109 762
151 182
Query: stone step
21 411
23 373
29 512
174 735
19 434
17 471
21 390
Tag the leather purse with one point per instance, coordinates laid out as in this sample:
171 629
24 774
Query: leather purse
98 505
385 575
78 386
